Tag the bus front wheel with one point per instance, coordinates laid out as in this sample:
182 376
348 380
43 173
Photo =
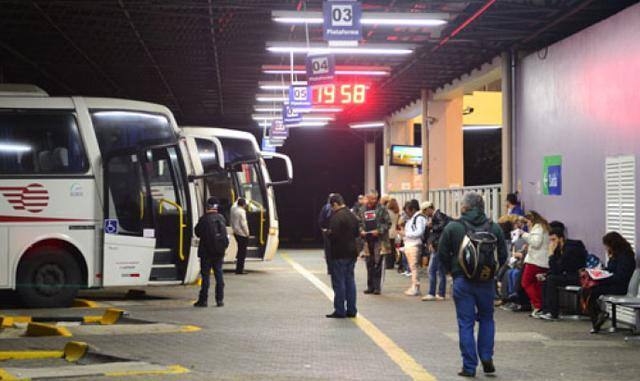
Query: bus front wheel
49 277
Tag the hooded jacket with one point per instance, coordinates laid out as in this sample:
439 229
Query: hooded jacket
569 259
454 234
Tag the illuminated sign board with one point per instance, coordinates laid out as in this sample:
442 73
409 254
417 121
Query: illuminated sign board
342 20
340 94
407 156
320 68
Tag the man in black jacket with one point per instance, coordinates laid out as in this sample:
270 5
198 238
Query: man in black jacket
569 256
343 231
323 222
212 231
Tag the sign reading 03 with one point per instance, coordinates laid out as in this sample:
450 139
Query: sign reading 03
340 94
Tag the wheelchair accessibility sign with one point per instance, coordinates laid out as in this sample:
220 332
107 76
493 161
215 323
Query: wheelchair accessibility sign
110 226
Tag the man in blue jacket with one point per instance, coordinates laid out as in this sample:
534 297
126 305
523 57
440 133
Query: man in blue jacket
473 300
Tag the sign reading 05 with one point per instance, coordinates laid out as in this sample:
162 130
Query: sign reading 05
340 94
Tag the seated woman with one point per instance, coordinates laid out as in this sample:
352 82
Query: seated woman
567 258
621 264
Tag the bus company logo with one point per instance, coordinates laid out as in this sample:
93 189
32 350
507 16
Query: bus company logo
32 198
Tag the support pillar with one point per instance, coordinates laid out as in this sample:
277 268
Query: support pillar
507 124
386 146
425 144
369 163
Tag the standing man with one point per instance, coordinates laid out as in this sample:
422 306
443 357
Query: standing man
212 231
473 299
438 221
240 229
323 222
374 227
343 231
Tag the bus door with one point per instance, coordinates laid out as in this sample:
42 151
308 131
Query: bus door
251 186
147 224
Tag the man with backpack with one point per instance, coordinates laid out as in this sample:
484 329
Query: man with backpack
472 249
212 231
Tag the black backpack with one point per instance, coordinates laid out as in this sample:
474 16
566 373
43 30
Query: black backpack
220 238
478 254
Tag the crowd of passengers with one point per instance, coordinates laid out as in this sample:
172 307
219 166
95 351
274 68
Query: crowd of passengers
542 259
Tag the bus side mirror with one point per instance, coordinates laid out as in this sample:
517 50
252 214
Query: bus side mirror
288 165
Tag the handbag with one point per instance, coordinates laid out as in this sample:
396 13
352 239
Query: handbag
586 281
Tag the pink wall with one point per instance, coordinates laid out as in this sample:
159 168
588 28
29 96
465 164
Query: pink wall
581 100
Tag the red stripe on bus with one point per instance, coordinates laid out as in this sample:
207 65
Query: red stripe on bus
39 219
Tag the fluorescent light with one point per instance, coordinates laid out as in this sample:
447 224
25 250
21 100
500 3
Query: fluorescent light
309 124
299 20
259 117
271 98
283 71
368 18
279 85
340 50
17 148
363 70
325 109
267 109
318 118
481 127
367 125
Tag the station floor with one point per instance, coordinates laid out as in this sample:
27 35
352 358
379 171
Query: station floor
273 327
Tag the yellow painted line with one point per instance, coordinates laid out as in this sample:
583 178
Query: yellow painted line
172 369
190 328
29 355
84 303
407 363
6 376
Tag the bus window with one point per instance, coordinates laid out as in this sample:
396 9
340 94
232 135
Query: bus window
40 143
127 194
250 189
129 129
208 155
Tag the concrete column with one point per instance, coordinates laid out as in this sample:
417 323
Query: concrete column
386 145
507 123
425 144
369 163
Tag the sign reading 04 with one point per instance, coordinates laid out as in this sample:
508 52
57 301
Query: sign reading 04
340 94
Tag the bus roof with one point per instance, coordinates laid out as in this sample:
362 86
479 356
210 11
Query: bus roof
220 133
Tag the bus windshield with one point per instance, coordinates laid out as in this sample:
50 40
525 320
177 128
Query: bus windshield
130 129
238 150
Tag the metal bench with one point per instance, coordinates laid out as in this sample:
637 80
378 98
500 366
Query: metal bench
625 308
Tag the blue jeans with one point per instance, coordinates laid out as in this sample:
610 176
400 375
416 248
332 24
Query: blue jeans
206 264
436 271
344 286
474 301
512 277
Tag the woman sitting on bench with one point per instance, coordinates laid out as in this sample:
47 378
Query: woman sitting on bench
621 264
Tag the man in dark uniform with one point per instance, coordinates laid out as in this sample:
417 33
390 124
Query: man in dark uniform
212 231
374 228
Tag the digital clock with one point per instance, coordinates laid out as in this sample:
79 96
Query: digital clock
339 94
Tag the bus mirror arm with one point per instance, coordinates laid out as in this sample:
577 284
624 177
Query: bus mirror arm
283 182
287 162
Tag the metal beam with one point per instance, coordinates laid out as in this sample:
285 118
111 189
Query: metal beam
212 32
150 56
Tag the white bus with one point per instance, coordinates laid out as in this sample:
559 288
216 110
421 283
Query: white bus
245 175
93 193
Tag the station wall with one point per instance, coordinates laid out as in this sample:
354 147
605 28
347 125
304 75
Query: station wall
580 99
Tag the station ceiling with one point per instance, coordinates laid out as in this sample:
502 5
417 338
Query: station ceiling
203 58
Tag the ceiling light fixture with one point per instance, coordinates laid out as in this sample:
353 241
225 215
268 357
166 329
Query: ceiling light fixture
481 127
271 98
368 18
361 50
367 125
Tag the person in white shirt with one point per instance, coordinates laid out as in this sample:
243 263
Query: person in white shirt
412 233
536 263
240 229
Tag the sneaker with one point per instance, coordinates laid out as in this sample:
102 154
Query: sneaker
548 317
428 298
507 306
367 291
407 274
488 367
412 291
536 313
200 304
440 298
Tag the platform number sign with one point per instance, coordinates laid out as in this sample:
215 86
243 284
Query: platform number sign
290 115
299 96
342 20
111 226
320 68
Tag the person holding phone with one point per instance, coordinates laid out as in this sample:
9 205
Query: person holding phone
374 229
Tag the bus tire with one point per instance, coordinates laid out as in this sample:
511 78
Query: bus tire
48 277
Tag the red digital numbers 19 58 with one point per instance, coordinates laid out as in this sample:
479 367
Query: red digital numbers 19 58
340 94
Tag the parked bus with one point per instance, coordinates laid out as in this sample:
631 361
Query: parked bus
245 175
93 193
